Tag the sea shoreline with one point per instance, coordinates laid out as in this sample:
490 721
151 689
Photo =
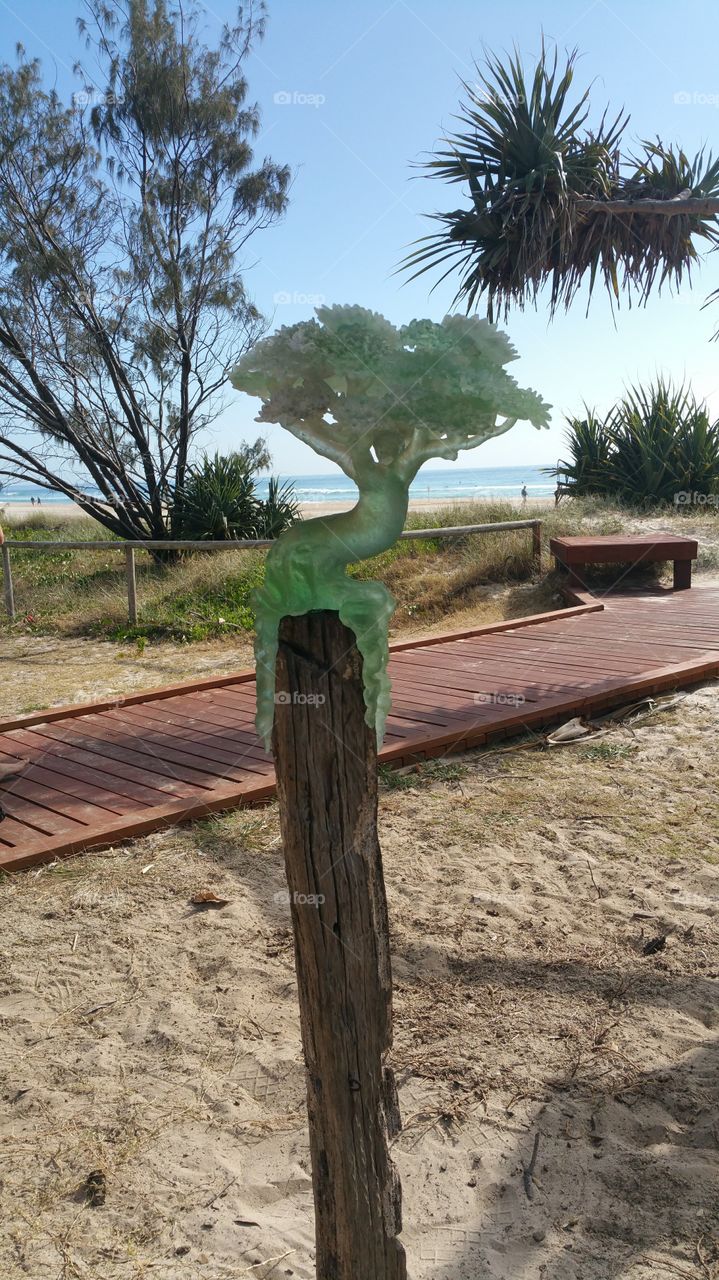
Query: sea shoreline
14 512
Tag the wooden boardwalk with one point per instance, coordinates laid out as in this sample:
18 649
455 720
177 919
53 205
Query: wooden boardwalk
88 776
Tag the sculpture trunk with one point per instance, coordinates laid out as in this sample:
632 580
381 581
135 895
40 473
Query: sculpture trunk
326 766
306 570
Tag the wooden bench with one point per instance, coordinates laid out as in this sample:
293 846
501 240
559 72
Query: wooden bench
630 549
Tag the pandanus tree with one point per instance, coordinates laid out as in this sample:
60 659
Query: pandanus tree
379 401
554 200
657 444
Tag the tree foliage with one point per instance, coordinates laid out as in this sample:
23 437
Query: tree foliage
656 443
220 499
125 221
379 401
374 398
556 199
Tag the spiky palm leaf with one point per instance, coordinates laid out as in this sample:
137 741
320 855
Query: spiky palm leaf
220 502
655 443
533 168
278 510
590 455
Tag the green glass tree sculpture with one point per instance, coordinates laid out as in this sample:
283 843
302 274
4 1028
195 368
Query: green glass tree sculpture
379 401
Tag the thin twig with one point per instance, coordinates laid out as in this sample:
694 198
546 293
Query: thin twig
528 1169
267 1262
600 892
668 1266
96 1008
220 1194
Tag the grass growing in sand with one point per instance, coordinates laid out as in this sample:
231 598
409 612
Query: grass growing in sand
206 596
205 599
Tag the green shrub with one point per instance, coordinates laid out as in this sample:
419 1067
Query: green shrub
653 445
219 502
278 510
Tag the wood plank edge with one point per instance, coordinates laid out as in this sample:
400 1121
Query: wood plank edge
508 624
73 711
173 814
126 700
398 754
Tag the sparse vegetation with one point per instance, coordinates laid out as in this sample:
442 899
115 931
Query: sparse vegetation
523 1002
421 774
657 446
207 596
607 751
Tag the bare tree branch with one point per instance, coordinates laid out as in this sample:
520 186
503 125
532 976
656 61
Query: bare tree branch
124 221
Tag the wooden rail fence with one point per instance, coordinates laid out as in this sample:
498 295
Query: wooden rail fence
129 548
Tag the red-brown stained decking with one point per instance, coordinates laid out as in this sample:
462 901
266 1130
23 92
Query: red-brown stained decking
82 777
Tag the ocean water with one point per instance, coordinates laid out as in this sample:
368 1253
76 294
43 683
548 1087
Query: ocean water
445 483
449 482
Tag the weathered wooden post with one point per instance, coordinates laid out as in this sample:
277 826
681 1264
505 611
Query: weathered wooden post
537 546
8 590
131 584
326 765
376 400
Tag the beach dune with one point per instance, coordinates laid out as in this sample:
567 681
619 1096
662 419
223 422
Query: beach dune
16 512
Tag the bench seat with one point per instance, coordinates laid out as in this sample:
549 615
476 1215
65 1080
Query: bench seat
630 549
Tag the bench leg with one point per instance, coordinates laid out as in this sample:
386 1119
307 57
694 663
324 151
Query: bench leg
570 575
682 575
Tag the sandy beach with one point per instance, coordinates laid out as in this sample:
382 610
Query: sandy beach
310 509
161 1045
16 512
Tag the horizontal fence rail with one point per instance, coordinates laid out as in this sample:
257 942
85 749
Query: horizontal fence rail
129 548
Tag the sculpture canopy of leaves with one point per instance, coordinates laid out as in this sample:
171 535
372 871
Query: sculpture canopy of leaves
379 401
364 393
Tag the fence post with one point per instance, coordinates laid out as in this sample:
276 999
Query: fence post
7 581
537 545
131 584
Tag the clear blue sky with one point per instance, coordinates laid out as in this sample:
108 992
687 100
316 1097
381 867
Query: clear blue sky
371 87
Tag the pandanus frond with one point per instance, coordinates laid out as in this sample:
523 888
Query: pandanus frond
548 196
657 443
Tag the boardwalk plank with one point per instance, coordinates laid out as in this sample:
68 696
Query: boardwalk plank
223 743
94 775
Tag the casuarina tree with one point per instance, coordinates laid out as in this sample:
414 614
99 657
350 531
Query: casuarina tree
125 218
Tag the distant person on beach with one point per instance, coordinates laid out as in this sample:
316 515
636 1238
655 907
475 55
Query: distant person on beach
524 493
32 501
